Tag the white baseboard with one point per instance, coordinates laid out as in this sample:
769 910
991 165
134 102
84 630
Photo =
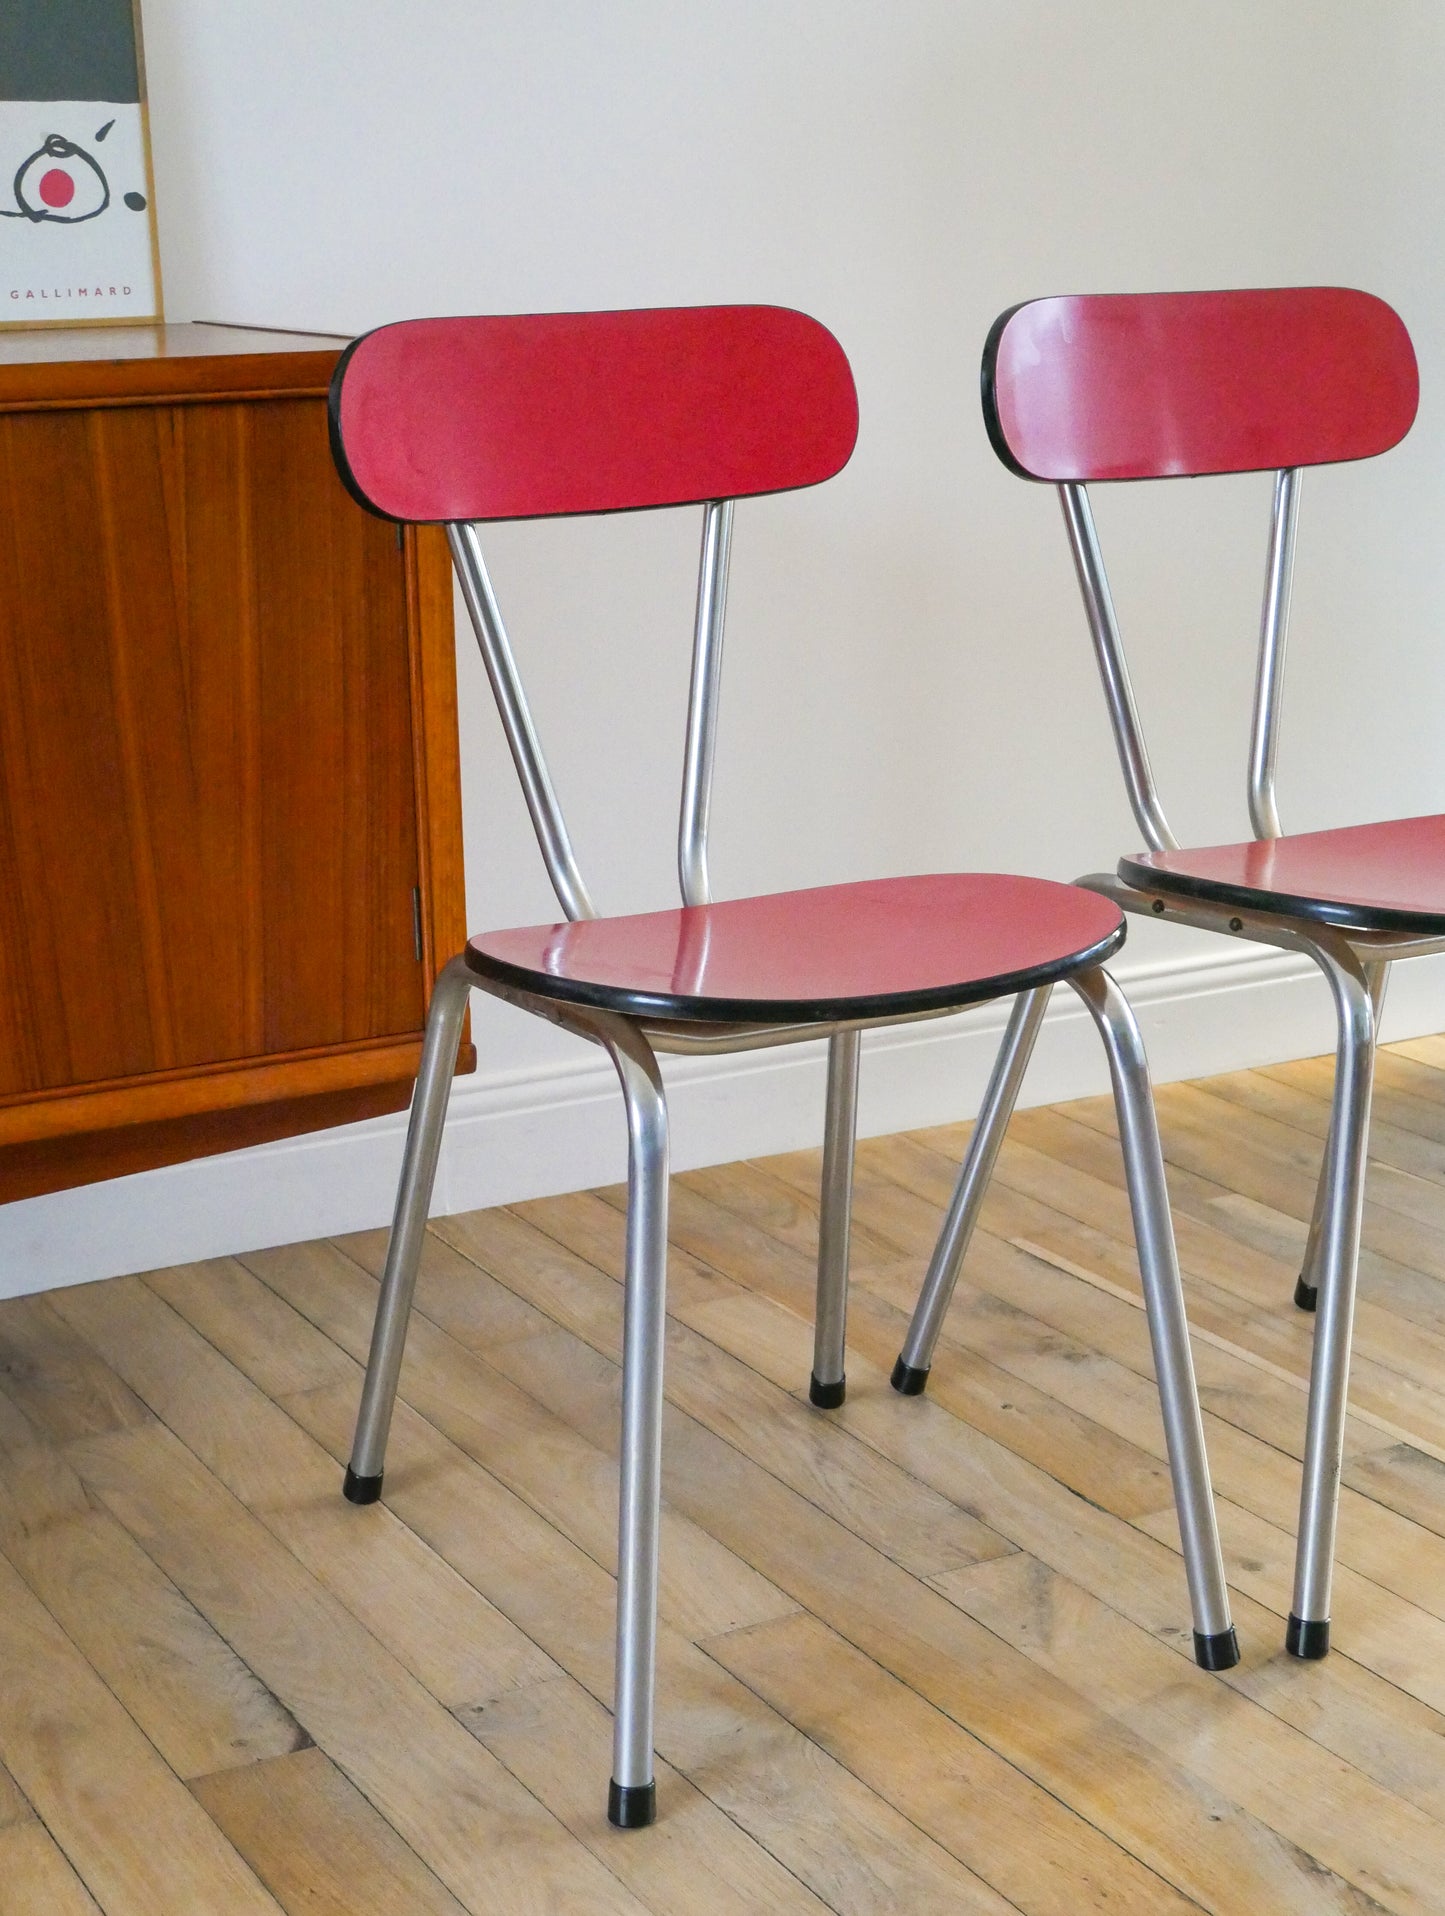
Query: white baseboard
513 1136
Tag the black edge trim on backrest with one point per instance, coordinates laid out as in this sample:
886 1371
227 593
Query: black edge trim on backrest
988 391
338 445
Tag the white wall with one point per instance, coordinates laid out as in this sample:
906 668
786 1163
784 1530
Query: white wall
909 682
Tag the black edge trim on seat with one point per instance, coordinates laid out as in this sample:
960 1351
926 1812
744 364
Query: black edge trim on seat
784 1011
338 445
988 390
1319 911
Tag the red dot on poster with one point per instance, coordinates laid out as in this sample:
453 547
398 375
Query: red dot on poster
57 188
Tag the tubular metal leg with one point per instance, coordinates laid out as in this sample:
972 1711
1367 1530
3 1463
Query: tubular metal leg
631 1798
910 1373
1215 1646
1307 1284
1308 1634
827 1386
1306 1291
408 1224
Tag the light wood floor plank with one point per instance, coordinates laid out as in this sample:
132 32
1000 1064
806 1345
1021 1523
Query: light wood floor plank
1405 1480
1097 1463
928 1653
1225 1276
186 1688
13 1806
56 1379
1301 1102
904 1519
428 1617
1403 1258
1429 1050
125 1821
814 1800
487 1839
1118 1563
1125 1404
702 1859
1292 1149
568 1479
566 1388
317 1844
873 1602
1034 1850
849 1848
1355 1830
1396 1639
1346 1712
37 1879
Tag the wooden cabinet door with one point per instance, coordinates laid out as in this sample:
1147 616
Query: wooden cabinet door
211 886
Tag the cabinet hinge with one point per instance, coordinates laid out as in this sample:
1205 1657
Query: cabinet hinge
416 921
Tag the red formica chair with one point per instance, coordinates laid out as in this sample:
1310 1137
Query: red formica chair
1160 386
464 420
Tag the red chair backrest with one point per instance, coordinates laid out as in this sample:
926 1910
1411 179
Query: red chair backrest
1159 385
548 413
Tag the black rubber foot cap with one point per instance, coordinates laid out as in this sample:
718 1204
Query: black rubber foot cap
1306 1295
361 1490
1219 1652
1309 1641
631 1806
827 1396
907 1381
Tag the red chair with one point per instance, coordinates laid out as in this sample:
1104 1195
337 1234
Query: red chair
461 420
1162 385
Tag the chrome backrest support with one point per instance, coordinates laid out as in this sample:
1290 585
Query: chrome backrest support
1269 679
516 716
526 748
702 703
1114 670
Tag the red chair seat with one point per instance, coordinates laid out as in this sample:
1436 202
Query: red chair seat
1386 877
883 948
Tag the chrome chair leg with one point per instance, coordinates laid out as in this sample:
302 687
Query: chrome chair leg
1215 1644
408 1225
910 1373
1308 1634
1306 1290
827 1386
1307 1284
632 1794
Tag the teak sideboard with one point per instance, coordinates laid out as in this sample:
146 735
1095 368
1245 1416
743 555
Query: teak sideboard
230 817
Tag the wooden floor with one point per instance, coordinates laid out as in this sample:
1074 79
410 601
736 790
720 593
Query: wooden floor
917 1655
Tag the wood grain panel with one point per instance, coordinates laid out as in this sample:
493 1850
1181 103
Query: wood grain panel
228 760
87 1157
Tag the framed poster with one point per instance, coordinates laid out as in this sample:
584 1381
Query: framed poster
77 209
